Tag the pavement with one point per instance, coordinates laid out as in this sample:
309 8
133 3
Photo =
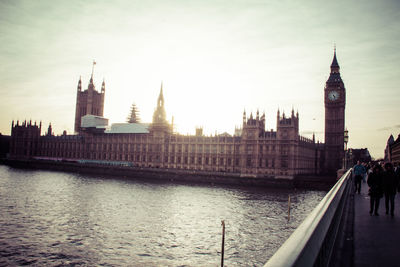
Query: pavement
376 238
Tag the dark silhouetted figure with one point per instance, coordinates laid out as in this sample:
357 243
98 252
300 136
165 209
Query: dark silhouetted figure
390 183
397 172
375 184
359 171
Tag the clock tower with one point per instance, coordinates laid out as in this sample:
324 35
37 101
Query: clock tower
335 103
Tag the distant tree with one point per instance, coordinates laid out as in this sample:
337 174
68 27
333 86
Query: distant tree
134 115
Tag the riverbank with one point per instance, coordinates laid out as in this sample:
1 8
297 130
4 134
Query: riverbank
187 176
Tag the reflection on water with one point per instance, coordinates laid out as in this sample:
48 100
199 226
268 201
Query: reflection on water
52 218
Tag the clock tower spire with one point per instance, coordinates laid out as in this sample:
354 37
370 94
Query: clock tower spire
335 65
335 103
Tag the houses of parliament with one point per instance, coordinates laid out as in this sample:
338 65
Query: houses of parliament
252 151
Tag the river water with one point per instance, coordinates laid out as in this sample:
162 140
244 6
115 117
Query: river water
54 218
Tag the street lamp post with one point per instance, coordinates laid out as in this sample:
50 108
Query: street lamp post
346 140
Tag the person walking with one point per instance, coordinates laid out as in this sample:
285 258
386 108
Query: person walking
390 183
364 177
397 173
358 171
368 170
375 188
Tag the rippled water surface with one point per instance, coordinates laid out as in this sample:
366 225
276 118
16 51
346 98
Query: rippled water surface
53 218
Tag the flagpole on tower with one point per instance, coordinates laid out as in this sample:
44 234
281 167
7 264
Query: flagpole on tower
94 63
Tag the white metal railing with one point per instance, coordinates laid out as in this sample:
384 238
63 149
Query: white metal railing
312 242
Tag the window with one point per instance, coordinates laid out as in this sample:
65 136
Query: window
284 164
249 162
249 149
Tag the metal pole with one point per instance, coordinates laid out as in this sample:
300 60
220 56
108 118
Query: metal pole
94 63
288 218
223 242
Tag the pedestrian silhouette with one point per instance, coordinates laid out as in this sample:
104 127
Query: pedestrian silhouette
375 189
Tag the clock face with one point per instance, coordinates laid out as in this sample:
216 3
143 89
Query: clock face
333 95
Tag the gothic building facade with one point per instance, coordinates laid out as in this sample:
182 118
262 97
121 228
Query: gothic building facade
89 101
254 152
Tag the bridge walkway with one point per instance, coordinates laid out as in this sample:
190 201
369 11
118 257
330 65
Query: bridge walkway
376 238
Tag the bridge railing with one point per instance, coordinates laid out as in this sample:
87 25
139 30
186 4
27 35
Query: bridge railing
311 244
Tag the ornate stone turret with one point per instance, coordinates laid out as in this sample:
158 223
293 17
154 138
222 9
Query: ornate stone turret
88 102
160 126
103 87
80 84
287 127
253 127
159 115
49 131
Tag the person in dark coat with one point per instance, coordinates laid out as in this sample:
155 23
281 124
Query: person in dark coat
375 188
358 172
397 172
390 183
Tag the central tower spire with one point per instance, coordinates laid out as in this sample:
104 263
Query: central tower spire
160 101
160 126
159 115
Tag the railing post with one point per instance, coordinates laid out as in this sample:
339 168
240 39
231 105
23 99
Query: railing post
288 217
223 243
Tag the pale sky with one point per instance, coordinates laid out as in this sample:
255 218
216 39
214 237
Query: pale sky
215 59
